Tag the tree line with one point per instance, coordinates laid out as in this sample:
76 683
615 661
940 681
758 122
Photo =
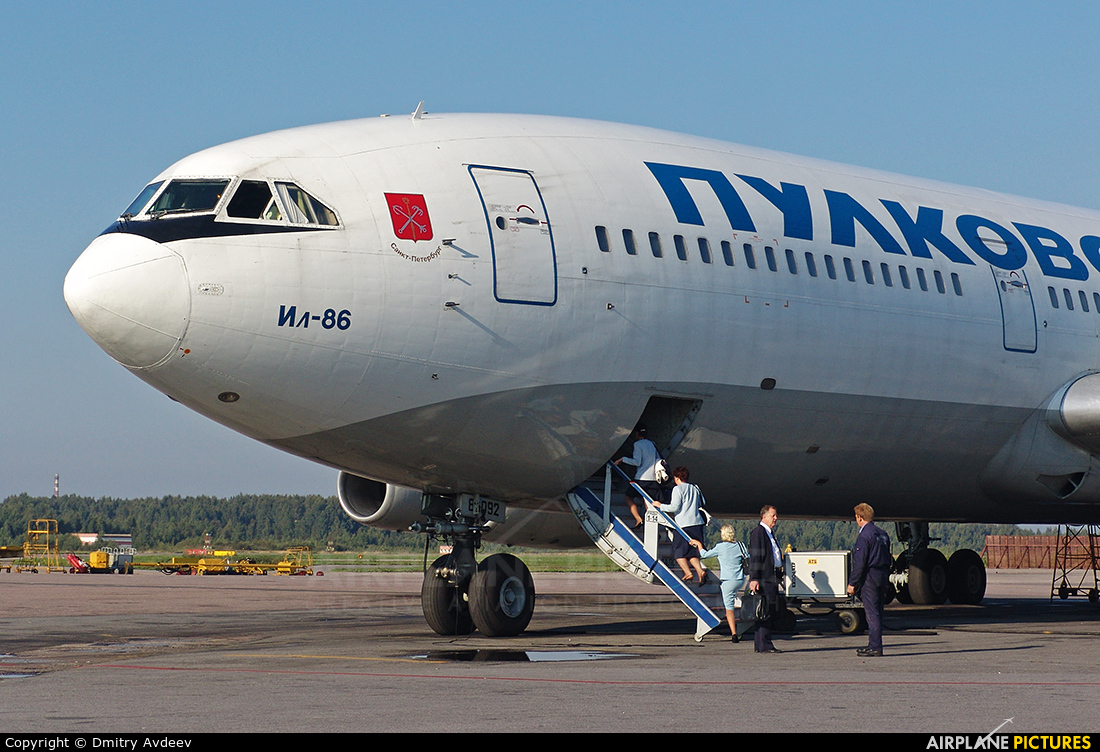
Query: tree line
254 521
258 521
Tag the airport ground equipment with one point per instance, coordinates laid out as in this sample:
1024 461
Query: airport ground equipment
8 555
296 561
642 558
77 565
1075 562
40 552
106 560
819 579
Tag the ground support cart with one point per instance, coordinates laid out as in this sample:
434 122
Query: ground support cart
817 581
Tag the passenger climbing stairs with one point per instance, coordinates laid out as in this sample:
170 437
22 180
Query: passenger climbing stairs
641 558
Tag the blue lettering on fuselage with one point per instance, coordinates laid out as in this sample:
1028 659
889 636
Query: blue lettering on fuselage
992 242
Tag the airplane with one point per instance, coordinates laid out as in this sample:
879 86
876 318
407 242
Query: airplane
466 315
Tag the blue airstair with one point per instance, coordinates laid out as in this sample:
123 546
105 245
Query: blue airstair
640 557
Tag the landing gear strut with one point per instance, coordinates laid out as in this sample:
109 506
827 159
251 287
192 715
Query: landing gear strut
497 596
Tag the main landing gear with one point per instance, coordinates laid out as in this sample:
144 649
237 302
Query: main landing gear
924 576
459 595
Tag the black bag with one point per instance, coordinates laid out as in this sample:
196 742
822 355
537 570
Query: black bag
754 606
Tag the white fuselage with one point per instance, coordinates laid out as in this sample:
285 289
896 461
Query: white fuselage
475 320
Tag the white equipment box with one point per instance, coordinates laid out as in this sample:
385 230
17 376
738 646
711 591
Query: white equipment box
818 574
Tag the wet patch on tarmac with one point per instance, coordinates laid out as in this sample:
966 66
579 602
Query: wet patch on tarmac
521 656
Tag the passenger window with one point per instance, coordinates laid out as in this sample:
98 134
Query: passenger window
904 274
830 267
957 284
922 280
681 249
939 282
769 255
1084 301
1068 297
704 250
252 200
655 245
1053 297
601 239
886 280
792 266
1096 301
750 256
849 270
727 252
868 273
628 239
811 265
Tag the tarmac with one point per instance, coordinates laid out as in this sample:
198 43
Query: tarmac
351 652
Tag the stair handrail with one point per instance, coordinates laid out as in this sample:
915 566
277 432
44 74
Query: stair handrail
649 502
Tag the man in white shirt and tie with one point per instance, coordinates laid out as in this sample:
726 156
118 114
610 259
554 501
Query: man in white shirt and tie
765 573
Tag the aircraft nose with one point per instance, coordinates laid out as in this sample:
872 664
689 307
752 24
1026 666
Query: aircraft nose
130 294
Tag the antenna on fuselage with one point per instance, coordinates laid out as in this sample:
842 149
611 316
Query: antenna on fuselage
419 111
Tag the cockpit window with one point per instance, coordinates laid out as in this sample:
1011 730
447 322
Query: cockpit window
142 199
189 196
303 208
253 200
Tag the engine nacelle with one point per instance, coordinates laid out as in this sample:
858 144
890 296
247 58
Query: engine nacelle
390 507
378 504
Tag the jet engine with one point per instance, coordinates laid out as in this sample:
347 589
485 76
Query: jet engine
378 504
390 507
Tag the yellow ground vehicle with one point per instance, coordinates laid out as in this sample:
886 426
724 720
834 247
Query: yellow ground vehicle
296 561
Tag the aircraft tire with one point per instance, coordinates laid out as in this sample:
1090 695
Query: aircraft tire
928 578
502 596
850 621
965 577
446 607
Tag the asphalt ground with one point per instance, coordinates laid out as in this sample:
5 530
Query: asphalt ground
351 652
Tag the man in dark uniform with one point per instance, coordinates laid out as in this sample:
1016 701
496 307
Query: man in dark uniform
765 572
871 563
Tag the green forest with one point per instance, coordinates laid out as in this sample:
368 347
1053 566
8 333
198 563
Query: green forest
266 522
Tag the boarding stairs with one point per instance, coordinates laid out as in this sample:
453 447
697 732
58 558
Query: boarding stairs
642 558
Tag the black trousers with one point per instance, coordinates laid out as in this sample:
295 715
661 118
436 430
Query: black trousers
762 640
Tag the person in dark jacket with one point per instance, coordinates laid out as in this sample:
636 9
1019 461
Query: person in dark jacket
871 562
765 573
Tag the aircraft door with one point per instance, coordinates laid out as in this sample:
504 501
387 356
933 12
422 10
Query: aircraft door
524 265
1017 310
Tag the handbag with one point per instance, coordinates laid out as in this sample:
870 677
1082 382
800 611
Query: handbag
661 471
754 606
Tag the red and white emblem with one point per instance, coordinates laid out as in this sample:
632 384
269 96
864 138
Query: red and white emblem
409 213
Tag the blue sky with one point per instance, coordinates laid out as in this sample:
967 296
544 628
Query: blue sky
96 98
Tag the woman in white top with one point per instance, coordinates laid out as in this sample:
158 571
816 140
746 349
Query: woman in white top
645 459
